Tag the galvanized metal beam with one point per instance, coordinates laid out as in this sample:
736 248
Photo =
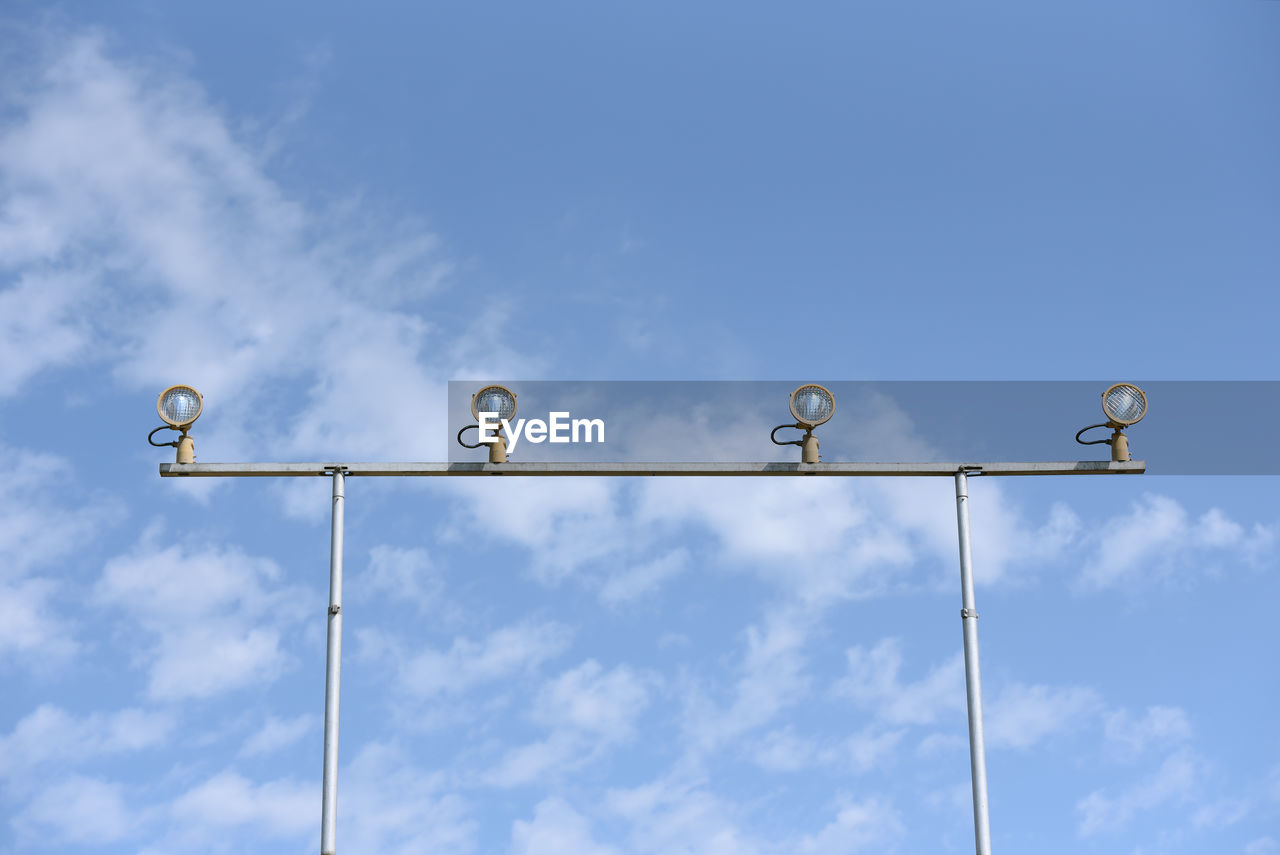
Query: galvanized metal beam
596 469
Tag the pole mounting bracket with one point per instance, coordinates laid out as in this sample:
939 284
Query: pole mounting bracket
335 609
968 613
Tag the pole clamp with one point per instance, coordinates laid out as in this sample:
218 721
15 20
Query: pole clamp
335 609
968 613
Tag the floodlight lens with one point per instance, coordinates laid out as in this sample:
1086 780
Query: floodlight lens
180 405
495 399
1124 404
812 405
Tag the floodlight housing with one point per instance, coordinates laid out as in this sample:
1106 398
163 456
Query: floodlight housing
179 406
494 399
1124 404
811 405
491 399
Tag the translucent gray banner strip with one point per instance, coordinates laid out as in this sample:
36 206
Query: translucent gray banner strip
1191 427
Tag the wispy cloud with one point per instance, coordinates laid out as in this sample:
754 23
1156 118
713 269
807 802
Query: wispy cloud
771 677
1174 781
1129 736
277 733
678 814
873 683
77 810
406 575
396 807
131 207
636 580
50 734
586 710
1159 538
468 663
1022 715
214 617
555 829
858 826
44 517
282 808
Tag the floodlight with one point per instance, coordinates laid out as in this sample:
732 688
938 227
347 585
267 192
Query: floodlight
179 406
499 404
1123 404
811 405
494 399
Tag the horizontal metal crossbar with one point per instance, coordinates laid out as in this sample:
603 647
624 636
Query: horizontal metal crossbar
293 470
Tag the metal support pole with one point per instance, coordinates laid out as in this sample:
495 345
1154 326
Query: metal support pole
333 676
972 676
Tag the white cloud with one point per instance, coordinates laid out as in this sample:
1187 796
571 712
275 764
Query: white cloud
678 815
586 709
1007 548
1022 715
39 326
873 682
634 581
556 829
39 526
408 575
283 808
1172 782
564 524
277 733
534 762
513 649
1159 726
857 827
1265 845
77 810
593 700
391 807
124 174
674 816
1158 538
824 539
940 743
215 616
816 538
1220 813
32 628
50 734
782 751
871 747
771 677
386 805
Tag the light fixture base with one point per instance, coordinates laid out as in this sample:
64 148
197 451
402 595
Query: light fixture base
186 449
498 449
1120 447
809 448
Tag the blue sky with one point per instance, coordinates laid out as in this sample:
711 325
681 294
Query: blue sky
320 216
